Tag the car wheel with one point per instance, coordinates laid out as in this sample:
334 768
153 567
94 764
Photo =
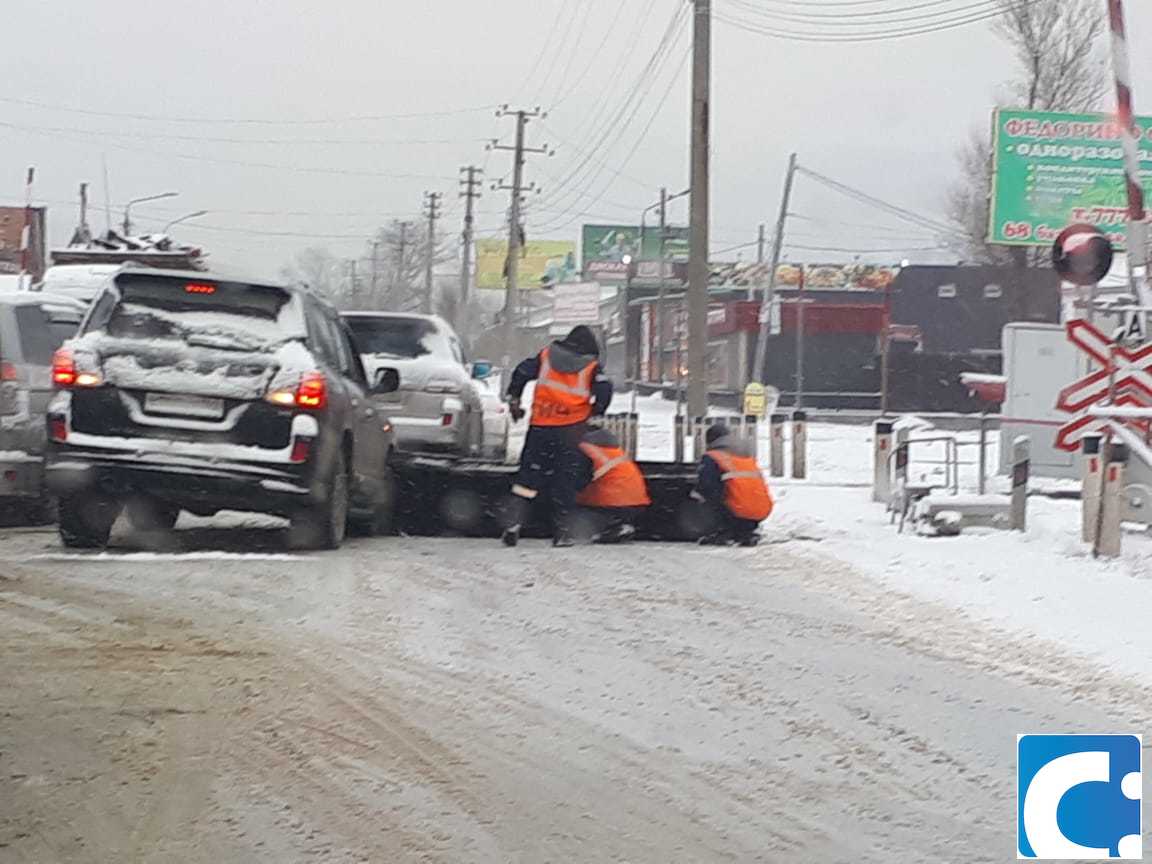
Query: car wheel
381 520
325 524
151 514
86 520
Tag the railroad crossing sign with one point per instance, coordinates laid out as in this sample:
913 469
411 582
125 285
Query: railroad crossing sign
1124 373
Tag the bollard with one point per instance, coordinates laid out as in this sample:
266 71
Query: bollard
1021 466
799 445
881 468
901 456
633 434
752 435
1112 502
776 444
1090 468
699 427
679 434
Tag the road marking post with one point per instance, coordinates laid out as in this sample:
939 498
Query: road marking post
881 467
679 433
1108 541
799 445
776 444
1090 468
1021 467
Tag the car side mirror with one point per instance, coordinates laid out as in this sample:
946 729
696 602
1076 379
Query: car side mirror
481 369
387 381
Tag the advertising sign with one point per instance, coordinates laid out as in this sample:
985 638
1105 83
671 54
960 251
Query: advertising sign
604 248
576 303
1050 170
542 263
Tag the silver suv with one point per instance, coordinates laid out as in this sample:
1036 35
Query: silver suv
32 327
438 406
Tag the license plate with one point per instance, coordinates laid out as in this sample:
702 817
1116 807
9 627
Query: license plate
184 406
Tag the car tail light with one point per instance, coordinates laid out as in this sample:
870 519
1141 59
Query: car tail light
311 393
446 420
63 368
8 371
57 427
65 374
301 448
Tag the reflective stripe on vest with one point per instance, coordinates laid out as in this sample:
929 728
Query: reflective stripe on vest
746 494
562 398
584 391
616 480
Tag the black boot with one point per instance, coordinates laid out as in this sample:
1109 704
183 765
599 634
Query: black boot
511 535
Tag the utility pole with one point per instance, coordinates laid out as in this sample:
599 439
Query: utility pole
470 192
375 270
25 279
663 282
400 268
515 228
432 211
352 277
769 296
698 271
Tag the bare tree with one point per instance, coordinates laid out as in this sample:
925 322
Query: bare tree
315 268
389 275
1056 44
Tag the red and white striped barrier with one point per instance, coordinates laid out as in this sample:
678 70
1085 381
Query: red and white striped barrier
1130 139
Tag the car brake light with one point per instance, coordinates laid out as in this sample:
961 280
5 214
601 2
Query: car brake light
64 372
311 393
301 448
446 420
8 371
199 288
57 427
63 368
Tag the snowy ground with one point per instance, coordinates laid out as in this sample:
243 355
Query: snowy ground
842 693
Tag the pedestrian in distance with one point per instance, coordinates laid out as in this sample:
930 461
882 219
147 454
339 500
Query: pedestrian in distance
613 492
732 484
570 388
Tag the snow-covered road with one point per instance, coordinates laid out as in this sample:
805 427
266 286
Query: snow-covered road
449 700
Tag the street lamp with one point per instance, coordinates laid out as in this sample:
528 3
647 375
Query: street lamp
195 215
128 208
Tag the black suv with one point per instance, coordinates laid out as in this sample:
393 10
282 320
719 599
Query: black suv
190 392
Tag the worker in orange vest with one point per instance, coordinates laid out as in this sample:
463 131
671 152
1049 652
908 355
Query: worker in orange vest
732 483
613 490
570 388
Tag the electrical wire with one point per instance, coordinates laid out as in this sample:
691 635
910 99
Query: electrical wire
869 251
876 35
244 121
563 95
864 197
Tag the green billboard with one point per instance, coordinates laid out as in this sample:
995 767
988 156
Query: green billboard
604 247
1050 170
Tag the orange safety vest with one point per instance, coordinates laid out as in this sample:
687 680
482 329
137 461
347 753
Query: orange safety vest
562 398
745 492
616 479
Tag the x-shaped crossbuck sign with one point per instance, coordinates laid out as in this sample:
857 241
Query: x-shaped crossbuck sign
1133 381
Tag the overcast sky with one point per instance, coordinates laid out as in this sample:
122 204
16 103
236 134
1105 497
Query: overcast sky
885 116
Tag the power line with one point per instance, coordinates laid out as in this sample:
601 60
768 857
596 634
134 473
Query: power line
877 35
898 212
869 251
244 121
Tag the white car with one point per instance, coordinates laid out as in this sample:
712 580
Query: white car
497 419
437 407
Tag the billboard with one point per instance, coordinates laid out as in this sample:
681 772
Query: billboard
1051 169
542 263
603 248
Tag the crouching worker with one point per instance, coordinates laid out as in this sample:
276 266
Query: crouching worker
614 492
570 388
731 482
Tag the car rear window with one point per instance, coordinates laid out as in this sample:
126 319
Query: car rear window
210 313
398 337
42 330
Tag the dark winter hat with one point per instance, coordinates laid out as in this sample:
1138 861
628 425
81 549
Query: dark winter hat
715 432
582 340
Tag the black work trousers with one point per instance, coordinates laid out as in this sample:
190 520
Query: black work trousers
550 465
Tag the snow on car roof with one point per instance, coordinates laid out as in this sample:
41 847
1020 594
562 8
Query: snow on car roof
24 298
